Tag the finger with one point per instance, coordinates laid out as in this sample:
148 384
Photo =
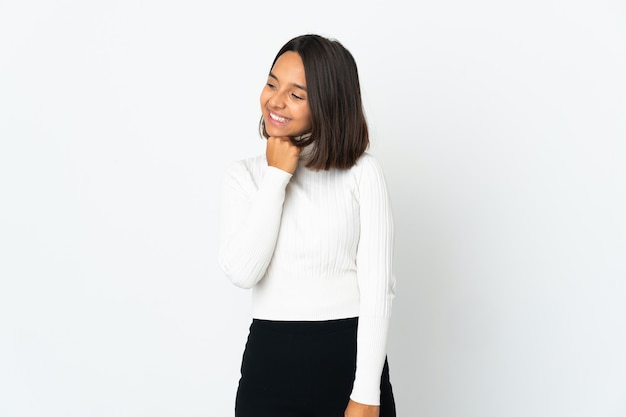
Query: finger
280 139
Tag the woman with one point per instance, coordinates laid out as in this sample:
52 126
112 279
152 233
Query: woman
308 226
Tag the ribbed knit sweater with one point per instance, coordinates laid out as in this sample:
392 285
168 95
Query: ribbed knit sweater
314 245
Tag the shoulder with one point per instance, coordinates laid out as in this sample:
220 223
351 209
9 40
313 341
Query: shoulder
245 171
246 166
368 166
370 181
368 161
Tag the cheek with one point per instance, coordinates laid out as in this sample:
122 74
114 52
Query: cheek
306 115
264 97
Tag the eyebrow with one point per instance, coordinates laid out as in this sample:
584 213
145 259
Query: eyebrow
294 84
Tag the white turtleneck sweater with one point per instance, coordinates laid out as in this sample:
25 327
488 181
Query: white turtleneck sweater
315 245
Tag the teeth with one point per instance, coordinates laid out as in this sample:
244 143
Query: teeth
278 118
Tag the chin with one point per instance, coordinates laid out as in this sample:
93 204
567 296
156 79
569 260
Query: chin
278 132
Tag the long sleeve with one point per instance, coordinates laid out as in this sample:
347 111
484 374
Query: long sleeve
375 279
315 245
250 214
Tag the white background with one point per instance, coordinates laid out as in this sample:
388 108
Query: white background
501 127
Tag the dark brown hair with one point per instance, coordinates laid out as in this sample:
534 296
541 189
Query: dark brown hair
339 133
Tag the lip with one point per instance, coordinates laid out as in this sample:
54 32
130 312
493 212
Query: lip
274 121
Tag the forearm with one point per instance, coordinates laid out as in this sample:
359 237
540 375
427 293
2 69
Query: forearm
249 225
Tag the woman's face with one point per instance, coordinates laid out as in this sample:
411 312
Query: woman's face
284 101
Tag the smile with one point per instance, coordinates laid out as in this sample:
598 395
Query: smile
278 118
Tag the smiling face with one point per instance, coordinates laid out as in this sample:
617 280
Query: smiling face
284 102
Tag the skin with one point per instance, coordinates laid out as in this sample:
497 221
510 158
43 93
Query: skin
355 409
285 97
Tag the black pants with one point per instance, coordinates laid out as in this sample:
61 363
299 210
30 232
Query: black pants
302 369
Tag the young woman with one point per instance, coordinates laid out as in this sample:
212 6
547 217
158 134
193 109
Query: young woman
308 226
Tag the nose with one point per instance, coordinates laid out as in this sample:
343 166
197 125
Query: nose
277 100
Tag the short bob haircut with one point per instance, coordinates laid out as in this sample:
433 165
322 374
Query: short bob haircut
339 133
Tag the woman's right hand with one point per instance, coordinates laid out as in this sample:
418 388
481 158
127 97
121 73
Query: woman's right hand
282 154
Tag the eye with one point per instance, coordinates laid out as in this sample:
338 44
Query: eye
271 85
297 97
